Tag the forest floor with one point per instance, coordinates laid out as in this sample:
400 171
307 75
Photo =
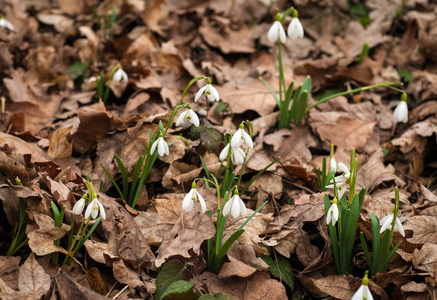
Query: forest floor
55 134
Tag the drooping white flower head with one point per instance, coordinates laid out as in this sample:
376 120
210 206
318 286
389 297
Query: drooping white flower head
190 197
332 215
276 31
363 293
6 24
400 113
79 206
295 29
161 145
341 181
386 222
237 154
210 92
332 164
241 136
236 206
188 118
93 210
120 75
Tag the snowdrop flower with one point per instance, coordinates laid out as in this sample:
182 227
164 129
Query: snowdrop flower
210 92
386 222
193 195
6 24
363 293
241 136
295 29
120 75
400 113
188 118
162 147
332 215
277 31
236 206
332 165
93 210
341 181
237 154
79 206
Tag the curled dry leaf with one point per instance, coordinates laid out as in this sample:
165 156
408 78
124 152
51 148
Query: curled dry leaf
41 240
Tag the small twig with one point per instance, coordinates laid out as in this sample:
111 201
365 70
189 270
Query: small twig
111 289
120 292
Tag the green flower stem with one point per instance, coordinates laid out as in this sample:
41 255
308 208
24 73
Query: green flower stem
387 84
79 232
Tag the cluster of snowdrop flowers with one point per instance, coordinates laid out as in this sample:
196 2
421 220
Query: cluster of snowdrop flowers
341 181
237 154
120 75
93 208
363 293
277 32
6 24
400 113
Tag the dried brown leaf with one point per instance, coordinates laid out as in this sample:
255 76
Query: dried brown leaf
257 286
33 278
425 259
189 232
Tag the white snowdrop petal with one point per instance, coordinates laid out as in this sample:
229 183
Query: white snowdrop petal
102 210
248 139
273 32
153 148
161 147
237 139
235 207
358 294
386 224
282 35
194 119
214 93
242 208
342 167
400 113
202 201
181 119
227 207
199 93
224 153
398 226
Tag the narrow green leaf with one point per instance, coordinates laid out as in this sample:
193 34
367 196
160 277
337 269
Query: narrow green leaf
124 177
278 103
113 182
